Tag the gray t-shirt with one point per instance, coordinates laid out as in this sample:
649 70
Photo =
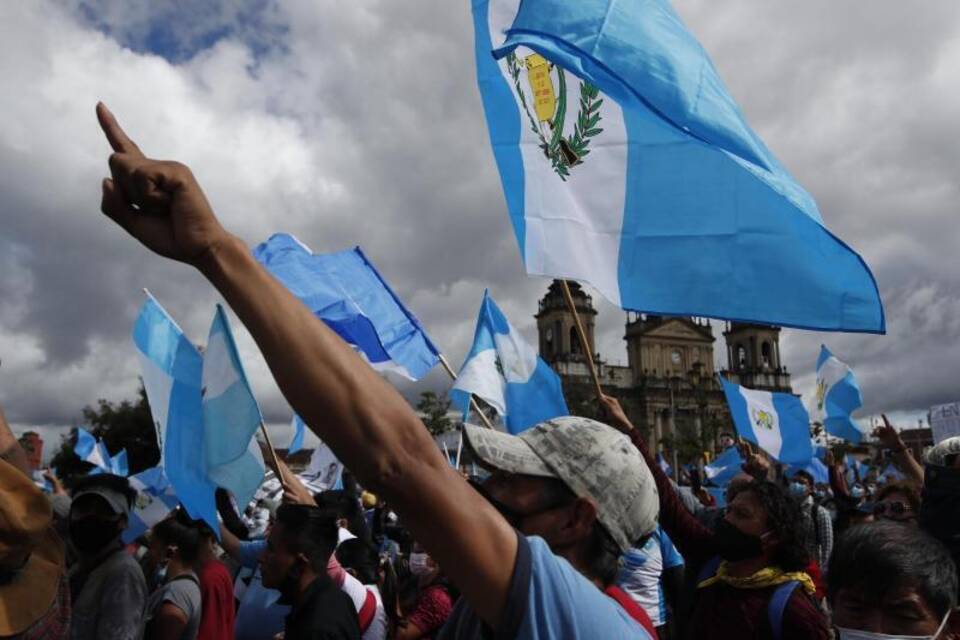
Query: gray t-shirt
184 593
110 604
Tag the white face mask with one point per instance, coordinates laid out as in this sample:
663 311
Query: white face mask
419 565
856 634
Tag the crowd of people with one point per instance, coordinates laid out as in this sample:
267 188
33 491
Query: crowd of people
572 530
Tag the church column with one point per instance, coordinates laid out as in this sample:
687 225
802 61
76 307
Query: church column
657 430
776 350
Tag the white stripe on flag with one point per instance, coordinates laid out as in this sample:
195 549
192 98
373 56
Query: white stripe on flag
764 420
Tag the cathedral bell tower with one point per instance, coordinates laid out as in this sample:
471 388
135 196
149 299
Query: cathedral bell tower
753 357
556 327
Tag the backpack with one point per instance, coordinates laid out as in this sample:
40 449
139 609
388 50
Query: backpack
778 601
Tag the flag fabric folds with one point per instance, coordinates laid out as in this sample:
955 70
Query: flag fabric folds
172 374
89 449
346 291
724 467
622 156
815 467
119 465
775 422
155 499
507 373
837 396
231 416
299 429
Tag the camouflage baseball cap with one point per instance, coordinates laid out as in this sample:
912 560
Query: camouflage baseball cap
594 460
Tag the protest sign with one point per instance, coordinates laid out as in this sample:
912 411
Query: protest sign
945 421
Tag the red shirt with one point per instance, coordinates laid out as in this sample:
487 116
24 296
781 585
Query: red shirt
216 594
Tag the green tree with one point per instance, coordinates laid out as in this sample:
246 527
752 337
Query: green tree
124 425
433 410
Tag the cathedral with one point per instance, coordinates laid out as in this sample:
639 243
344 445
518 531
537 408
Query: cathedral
669 387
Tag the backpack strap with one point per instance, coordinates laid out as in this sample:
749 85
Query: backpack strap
778 605
709 569
187 576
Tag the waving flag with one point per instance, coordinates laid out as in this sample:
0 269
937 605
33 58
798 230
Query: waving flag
119 465
838 395
231 416
299 429
626 164
815 467
155 500
89 449
172 374
726 465
508 374
345 291
775 422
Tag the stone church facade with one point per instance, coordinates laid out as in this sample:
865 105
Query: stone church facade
669 387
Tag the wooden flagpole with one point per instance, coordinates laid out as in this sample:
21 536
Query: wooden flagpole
583 339
473 403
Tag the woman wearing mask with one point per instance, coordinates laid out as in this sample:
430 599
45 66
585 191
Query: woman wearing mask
433 605
173 610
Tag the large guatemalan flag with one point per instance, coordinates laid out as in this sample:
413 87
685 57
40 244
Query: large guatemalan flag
504 370
838 395
775 422
346 291
626 164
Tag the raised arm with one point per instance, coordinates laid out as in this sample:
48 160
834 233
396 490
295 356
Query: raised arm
694 540
365 421
892 441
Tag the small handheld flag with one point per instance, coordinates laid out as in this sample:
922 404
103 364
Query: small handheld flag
837 396
507 373
775 422
726 465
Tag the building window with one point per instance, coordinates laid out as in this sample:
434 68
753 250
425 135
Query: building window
575 347
765 354
741 356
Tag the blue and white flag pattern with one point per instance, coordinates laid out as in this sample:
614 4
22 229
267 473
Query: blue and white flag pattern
775 422
837 396
664 465
506 372
346 291
299 430
155 500
172 376
231 416
89 449
119 465
815 467
724 467
622 155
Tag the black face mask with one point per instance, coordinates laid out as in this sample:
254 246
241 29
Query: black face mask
290 587
90 535
733 544
940 507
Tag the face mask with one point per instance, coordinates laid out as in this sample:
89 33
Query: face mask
733 544
798 490
856 492
418 564
90 535
856 634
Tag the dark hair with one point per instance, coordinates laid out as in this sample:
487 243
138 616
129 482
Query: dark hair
310 531
118 484
805 474
906 488
879 556
785 518
360 556
346 506
185 537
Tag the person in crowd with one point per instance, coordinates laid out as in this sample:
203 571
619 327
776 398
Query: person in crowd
890 439
218 616
753 584
361 560
898 501
34 593
434 602
300 544
652 574
513 584
107 586
816 519
887 580
173 610
940 504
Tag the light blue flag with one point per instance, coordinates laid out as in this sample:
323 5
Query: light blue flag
155 500
724 467
664 465
890 474
719 494
346 291
626 164
775 422
172 373
231 416
89 449
299 428
837 396
508 374
119 465
856 470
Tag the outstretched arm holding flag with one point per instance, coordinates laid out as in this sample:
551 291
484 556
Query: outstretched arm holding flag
365 421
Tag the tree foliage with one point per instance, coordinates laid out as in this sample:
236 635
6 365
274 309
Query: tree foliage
433 410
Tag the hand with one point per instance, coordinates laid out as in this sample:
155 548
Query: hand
613 414
158 203
58 489
757 465
828 459
888 436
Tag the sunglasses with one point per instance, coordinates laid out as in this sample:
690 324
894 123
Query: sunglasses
891 509
510 514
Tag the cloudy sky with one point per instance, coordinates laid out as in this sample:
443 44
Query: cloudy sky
352 123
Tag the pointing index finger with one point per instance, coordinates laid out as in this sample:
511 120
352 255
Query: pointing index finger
115 135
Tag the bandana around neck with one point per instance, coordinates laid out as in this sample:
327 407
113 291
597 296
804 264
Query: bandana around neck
766 577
